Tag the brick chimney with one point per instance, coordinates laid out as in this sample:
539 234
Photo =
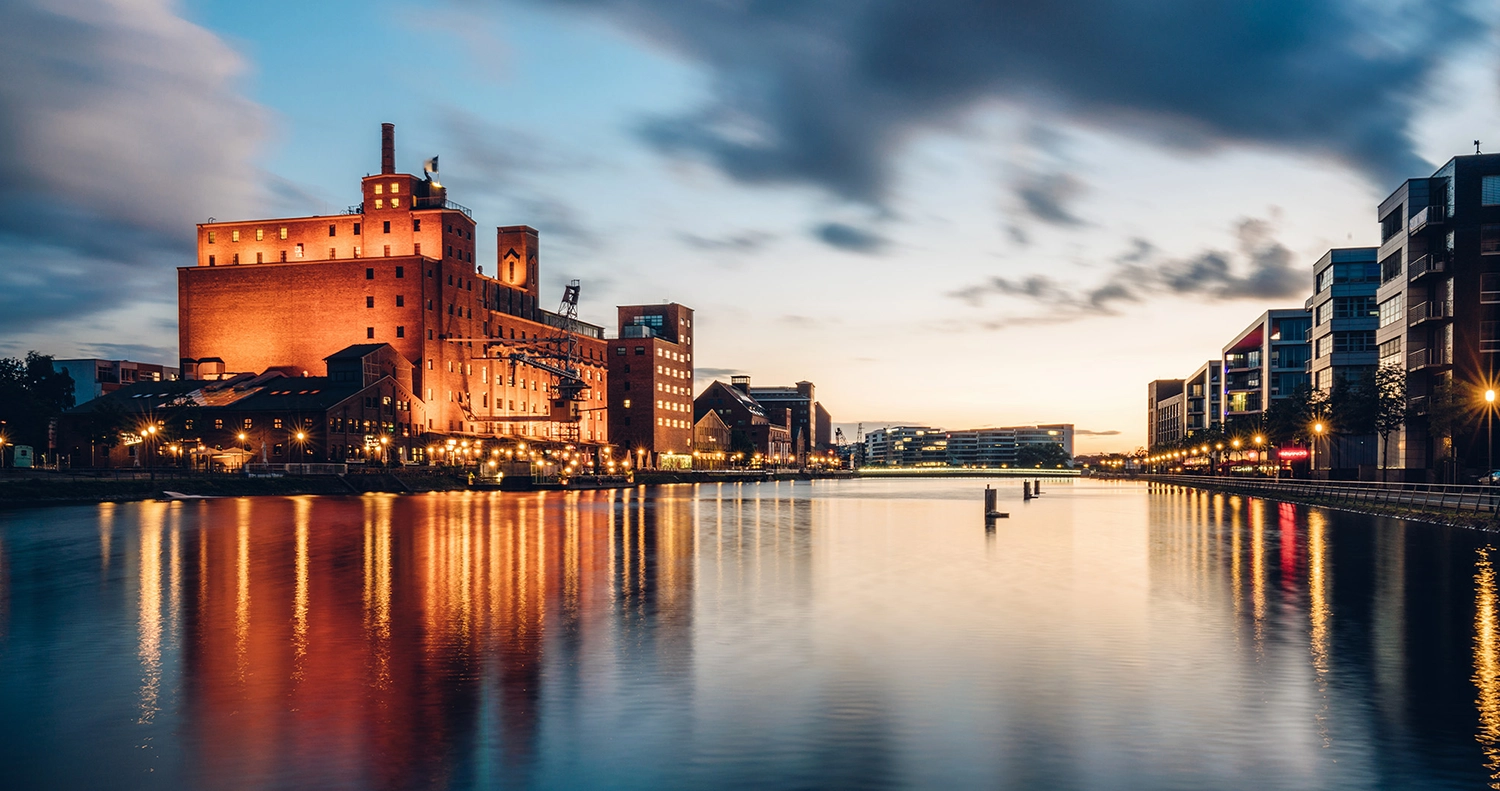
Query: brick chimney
387 149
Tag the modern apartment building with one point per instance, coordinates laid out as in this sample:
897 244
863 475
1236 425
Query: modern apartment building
906 446
1345 317
651 384
1440 287
1266 361
93 378
1203 399
913 446
1163 415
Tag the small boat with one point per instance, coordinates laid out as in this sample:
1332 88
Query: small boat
180 496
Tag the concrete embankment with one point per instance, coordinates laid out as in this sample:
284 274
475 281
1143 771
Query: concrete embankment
1474 507
72 488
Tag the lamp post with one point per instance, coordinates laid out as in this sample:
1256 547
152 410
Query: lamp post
1317 437
1260 452
1489 428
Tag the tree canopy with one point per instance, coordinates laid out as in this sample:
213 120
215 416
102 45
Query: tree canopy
32 393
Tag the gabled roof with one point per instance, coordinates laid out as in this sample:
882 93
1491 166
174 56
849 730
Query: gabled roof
358 351
738 396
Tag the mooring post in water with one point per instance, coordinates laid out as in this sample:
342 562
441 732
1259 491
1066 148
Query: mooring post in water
1026 490
990 511
1036 488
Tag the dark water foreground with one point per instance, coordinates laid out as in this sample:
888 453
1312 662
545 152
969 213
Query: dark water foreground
851 634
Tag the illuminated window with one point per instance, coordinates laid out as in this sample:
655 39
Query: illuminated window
369 332
299 250
234 236
188 424
260 234
210 237
395 187
395 203
276 423
356 251
219 423
249 423
627 403
379 189
283 232
379 203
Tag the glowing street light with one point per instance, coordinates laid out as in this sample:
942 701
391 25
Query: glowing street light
1489 427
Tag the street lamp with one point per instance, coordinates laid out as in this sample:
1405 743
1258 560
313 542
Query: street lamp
1317 437
1489 427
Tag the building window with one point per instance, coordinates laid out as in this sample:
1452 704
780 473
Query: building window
1361 341
1489 287
249 423
333 253
1489 191
188 425
234 236
260 234
379 203
416 248
369 302
1353 307
370 273
416 226
1392 224
379 189
400 300
1323 313
299 249
387 251
356 229
1390 268
1390 311
276 423
236 258
1489 238
260 258
369 332
400 272
219 423
283 233
333 230
210 260
395 187
640 351
619 351
387 226
395 203
400 332
210 237
356 251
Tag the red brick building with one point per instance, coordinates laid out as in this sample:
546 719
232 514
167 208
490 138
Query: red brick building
398 268
651 384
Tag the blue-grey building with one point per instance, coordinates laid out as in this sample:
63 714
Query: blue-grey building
1345 317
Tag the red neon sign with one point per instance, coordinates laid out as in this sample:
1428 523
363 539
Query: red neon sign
1292 453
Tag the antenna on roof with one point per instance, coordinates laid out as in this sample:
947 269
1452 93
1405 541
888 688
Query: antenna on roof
1476 146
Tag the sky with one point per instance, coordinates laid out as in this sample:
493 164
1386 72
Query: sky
952 213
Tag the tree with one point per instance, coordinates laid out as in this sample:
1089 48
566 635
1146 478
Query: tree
104 426
1445 411
1046 454
1390 405
1290 419
32 393
1352 405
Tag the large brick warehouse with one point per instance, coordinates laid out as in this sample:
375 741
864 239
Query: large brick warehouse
398 269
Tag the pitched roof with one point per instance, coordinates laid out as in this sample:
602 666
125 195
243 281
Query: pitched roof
358 351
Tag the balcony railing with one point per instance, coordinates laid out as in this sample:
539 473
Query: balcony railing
440 203
1430 264
1417 405
1430 215
1427 358
1427 311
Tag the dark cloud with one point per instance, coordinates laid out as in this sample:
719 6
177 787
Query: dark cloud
825 91
120 128
508 168
139 352
1262 269
1046 196
849 238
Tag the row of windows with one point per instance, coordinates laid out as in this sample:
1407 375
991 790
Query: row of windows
260 233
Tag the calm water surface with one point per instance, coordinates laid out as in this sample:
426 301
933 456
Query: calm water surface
858 634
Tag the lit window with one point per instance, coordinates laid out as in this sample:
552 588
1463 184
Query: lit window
627 403
379 189
379 204
283 231
395 187
234 236
210 237
299 250
260 234
395 203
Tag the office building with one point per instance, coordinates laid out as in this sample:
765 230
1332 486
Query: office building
997 447
1163 412
1345 317
93 377
1265 362
651 384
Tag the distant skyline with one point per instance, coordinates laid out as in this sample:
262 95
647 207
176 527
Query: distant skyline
955 214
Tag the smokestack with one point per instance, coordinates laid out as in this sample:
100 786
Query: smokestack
387 149
740 383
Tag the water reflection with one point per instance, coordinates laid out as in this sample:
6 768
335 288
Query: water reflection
861 634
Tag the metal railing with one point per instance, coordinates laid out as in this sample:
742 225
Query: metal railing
434 202
1422 358
1422 311
1430 496
296 469
1429 215
1431 263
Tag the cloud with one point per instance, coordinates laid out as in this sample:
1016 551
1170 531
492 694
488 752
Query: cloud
120 127
1083 432
139 352
1266 272
826 92
704 372
494 162
744 242
1046 196
849 238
